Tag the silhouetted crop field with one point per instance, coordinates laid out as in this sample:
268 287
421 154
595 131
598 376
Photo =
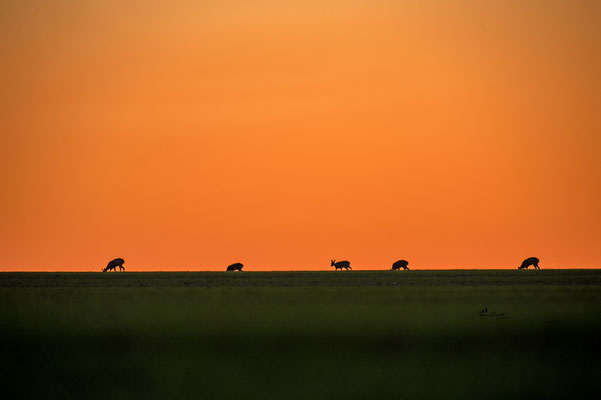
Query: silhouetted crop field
469 334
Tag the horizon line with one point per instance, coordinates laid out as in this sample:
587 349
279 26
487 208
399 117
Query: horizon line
295 270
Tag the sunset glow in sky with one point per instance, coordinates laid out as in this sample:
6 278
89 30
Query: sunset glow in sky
193 134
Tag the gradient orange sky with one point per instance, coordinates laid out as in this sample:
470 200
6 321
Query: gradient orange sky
193 134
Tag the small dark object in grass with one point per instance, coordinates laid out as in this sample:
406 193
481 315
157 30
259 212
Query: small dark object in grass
400 264
528 262
112 265
341 264
485 313
235 267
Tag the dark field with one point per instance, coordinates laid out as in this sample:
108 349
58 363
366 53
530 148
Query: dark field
302 335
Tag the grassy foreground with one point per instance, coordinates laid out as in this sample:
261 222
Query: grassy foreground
300 335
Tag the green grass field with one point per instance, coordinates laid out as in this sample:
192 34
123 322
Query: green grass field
302 335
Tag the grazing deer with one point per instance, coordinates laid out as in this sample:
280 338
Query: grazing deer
400 264
235 267
341 264
528 262
112 265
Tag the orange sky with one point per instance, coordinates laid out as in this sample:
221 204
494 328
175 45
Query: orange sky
454 134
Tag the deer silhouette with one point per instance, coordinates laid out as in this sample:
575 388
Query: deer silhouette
400 264
112 265
235 267
528 262
341 264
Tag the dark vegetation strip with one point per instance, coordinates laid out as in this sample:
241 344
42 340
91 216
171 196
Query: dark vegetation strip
571 277
557 337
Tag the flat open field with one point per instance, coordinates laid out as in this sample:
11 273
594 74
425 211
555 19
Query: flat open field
302 335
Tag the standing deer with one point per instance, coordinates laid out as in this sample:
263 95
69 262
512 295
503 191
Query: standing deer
341 264
400 264
112 265
235 267
528 262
